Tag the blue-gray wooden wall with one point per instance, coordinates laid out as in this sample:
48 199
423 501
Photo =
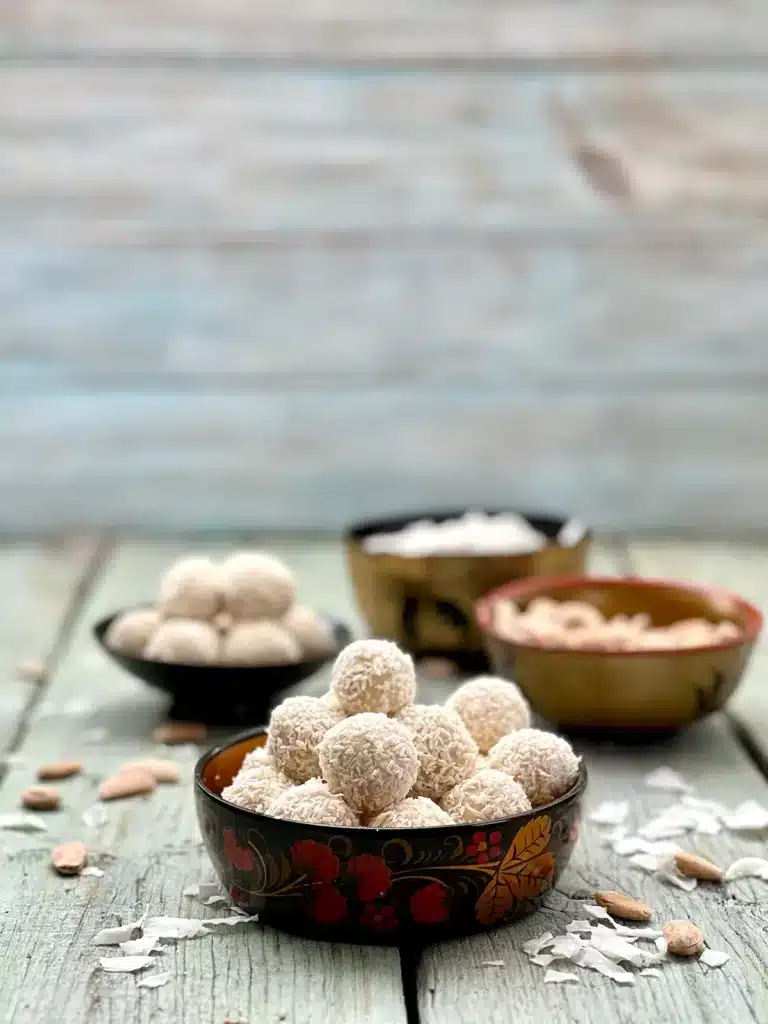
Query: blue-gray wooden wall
283 264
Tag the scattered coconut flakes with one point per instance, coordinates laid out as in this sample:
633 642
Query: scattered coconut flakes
594 960
646 862
616 835
21 821
534 946
492 963
668 872
140 947
153 980
714 958
218 898
747 817
579 926
651 972
553 977
599 913
92 871
207 889
657 848
661 944
667 779
619 949
700 804
125 964
747 867
542 959
637 933
96 816
117 934
191 890
232 920
610 812
174 928
566 947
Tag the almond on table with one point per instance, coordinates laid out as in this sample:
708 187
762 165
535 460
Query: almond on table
133 782
624 907
693 866
161 769
172 733
59 770
683 938
41 798
70 858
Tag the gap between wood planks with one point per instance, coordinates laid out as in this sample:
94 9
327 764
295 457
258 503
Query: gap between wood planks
96 563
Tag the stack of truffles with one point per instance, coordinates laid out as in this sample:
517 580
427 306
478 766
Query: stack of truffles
238 612
365 754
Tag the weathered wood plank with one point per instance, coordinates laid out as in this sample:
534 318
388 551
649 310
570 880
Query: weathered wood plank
740 567
180 154
598 29
39 583
314 459
149 853
452 983
613 309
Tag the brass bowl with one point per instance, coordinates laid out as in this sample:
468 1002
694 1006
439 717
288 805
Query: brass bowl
426 604
591 689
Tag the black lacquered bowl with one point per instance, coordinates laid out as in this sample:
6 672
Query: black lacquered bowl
222 694
385 886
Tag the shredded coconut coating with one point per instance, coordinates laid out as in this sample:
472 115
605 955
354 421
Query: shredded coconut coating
544 764
184 641
314 803
254 791
259 644
130 632
257 585
310 632
485 796
490 708
191 589
373 675
413 812
295 730
330 701
371 760
260 764
447 753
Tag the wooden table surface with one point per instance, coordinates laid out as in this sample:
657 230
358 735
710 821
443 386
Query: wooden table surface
149 849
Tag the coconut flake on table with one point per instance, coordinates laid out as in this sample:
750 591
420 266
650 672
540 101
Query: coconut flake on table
95 817
125 964
534 946
175 928
599 913
140 947
92 872
714 958
542 959
118 933
610 812
473 533
747 867
553 977
650 972
492 963
153 980
21 821
747 817
668 780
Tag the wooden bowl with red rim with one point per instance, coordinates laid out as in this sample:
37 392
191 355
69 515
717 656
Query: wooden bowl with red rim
626 691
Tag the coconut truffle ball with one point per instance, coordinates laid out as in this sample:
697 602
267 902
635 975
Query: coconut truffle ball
413 812
186 641
191 589
447 753
330 701
130 632
485 796
257 585
543 764
313 802
260 764
311 633
373 675
490 708
295 730
253 791
371 760
259 643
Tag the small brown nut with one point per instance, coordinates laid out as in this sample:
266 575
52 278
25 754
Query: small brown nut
129 783
158 767
31 671
683 938
624 907
41 798
172 733
437 668
59 770
70 858
693 866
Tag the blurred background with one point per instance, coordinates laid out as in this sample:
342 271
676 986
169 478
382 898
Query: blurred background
284 265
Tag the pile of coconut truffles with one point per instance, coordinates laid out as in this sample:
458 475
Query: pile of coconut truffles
365 754
237 612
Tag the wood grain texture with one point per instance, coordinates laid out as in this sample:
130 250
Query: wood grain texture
313 459
598 29
181 154
40 586
150 852
742 568
615 310
453 986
